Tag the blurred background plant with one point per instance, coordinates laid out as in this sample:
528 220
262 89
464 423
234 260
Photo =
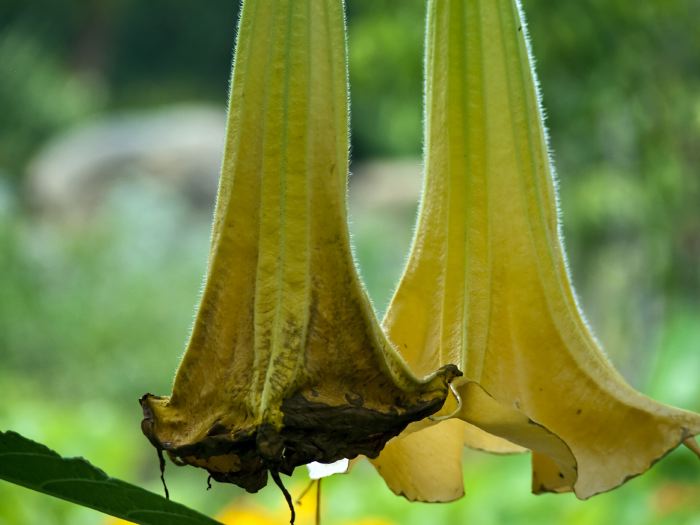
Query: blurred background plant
111 125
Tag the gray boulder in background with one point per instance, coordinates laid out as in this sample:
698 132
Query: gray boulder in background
176 149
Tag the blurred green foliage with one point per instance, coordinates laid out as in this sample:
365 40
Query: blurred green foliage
93 315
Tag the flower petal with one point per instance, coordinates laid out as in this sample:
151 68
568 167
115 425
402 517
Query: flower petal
487 287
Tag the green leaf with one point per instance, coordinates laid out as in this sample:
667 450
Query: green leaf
35 466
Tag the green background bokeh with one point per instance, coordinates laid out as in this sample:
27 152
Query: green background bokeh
92 315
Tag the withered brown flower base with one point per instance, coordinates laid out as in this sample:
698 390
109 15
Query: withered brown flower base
310 432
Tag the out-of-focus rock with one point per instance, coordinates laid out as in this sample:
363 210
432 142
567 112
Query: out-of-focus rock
386 183
177 149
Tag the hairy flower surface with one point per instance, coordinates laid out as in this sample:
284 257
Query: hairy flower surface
286 363
487 288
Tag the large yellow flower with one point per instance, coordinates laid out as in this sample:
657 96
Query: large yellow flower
286 363
487 288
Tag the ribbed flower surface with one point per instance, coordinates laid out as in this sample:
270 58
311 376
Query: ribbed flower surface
487 287
286 363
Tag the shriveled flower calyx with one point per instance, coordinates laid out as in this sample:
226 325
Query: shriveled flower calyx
286 363
487 288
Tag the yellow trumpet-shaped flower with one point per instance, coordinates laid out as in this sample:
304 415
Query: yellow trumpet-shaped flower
286 363
487 288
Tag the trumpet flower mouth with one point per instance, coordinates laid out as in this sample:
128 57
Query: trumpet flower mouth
310 431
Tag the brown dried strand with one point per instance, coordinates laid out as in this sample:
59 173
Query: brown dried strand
161 464
287 496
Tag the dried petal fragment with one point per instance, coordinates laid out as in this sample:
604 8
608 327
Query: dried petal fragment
286 363
487 288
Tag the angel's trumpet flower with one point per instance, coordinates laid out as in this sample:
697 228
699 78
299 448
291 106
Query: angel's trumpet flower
286 363
486 286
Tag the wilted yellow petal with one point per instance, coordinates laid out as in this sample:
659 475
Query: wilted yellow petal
425 465
286 363
487 287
